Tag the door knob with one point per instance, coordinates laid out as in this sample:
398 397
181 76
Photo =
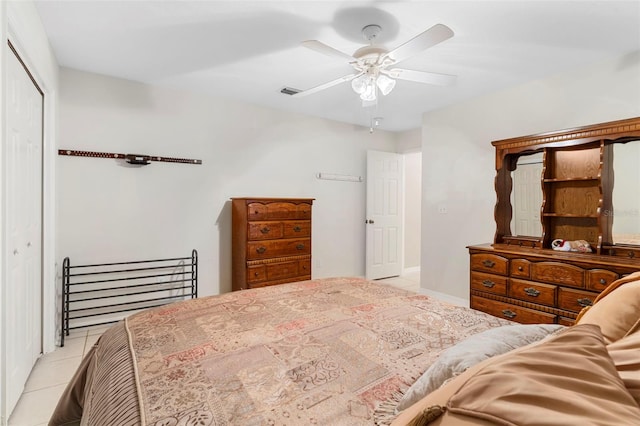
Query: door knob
368 221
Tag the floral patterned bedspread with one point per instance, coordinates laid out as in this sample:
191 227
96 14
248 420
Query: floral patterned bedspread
326 351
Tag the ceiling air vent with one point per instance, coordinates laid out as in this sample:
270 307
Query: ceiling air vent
289 91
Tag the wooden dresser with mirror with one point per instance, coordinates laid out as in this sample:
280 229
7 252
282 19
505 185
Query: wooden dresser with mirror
569 185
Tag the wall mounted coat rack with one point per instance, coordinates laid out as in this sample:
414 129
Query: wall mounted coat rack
140 159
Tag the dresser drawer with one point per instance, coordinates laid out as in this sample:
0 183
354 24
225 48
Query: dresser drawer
575 300
544 294
520 268
304 267
558 273
599 279
485 262
489 283
297 228
277 271
276 248
566 321
511 312
278 210
256 273
265 230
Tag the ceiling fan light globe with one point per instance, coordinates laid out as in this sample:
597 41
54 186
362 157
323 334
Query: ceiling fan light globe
369 94
359 84
385 84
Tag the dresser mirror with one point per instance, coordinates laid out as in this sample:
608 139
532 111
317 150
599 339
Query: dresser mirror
626 195
526 195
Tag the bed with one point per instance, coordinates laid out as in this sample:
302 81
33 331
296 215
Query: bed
327 351
346 351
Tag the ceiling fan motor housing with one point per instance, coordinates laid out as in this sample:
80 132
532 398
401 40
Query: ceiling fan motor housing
370 53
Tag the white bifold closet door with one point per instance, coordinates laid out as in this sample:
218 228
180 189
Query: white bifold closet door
23 224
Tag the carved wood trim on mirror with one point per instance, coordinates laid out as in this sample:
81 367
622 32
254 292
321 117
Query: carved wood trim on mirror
570 182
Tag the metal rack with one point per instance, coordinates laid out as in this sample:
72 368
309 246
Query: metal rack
101 293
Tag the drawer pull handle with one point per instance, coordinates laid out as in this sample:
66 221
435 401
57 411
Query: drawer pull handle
509 314
488 283
520 268
584 302
297 229
532 292
265 230
488 263
256 274
300 246
261 249
603 281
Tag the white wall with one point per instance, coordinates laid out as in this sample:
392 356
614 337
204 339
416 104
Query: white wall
409 143
412 209
109 212
458 166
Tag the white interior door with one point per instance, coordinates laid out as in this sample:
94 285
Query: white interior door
384 214
23 244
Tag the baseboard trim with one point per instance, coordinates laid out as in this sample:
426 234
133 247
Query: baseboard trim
445 297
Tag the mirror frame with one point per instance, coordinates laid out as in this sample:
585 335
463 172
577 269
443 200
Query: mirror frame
508 151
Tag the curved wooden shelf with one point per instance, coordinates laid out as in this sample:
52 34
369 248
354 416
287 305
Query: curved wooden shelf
575 179
586 216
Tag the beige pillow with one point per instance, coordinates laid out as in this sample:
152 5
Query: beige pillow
567 379
625 354
617 309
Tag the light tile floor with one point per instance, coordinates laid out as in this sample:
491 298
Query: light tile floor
53 371
410 281
49 378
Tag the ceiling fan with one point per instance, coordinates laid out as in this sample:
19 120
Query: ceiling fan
372 63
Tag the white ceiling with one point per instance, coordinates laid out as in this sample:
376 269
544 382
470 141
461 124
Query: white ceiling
250 50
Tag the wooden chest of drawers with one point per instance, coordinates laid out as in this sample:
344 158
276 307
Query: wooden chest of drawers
531 285
271 241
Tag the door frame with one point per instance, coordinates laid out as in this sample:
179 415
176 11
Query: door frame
19 31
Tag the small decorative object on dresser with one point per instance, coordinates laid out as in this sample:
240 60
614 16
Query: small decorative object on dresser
576 252
271 241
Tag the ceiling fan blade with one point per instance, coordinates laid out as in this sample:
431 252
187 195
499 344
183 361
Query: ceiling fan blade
326 85
318 46
434 35
422 76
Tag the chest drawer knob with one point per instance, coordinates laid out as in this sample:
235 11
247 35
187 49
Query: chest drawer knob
489 263
265 230
297 229
584 302
488 283
509 314
520 268
603 281
261 249
300 246
257 274
531 292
